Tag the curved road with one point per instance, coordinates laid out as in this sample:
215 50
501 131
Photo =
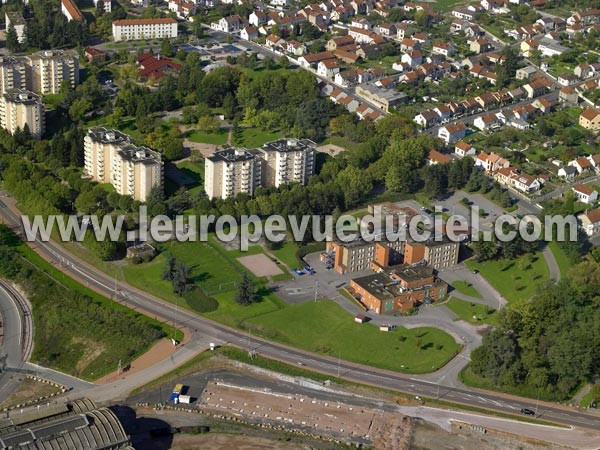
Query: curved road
201 328
17 341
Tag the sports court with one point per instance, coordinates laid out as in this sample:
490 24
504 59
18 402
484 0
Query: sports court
260 265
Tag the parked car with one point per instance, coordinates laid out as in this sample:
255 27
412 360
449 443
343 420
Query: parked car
298 272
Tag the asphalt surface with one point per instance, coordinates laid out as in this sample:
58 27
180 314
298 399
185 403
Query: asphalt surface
202 327
17 338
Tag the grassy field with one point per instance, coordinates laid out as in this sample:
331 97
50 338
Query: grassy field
287 254
466 288
447 5
195 171
253 137
517 279
323 327
218 138
208 269
472 312
561 258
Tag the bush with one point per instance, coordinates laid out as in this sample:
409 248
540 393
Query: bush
199 301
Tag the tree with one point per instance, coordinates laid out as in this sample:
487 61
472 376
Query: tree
166 48
12 40
246 294
284 62
210 124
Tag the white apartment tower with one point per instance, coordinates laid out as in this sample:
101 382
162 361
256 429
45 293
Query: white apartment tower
230 172
20 108
110 157
48 69
287 161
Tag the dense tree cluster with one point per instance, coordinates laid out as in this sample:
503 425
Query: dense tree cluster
549 344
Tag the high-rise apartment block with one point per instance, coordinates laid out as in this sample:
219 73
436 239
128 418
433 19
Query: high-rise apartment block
48 69
111 157
21 109
13 73
287 161
42 72
232 171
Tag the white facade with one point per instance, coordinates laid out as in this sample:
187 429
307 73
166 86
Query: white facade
230 172
134 29
110 157
106 4
20 108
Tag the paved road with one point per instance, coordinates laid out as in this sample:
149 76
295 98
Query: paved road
553 269
202 328
17 338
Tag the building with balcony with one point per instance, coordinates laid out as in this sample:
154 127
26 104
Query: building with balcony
287 161
111 157
48 69
13 74
230 172
21 109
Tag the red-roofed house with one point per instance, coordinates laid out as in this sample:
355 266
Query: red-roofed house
436 157
585 194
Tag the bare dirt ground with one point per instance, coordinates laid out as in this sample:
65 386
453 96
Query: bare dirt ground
428 436
213 441
159 351
260 265
338 420
199 147
29 390
330 149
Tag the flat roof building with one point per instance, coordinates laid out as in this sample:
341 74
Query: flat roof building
230 172
287 161
21 109
111 157
133 29
398 289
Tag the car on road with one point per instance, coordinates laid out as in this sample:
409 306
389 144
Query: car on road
527 412
298 272
476 271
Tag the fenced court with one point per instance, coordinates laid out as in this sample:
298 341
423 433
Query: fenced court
260 265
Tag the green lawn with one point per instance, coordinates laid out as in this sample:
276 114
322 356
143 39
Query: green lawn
447 5
218 138
472 312
561 258
195 171
231 313
287 254
324 327
517 279
254 138
466 288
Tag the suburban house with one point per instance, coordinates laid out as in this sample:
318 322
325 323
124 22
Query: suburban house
452 132
487 122
436 157
590 221
462 149
249 33
491 162
582 164
511 177
567 172
585 194
525 73
590 119
328 68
